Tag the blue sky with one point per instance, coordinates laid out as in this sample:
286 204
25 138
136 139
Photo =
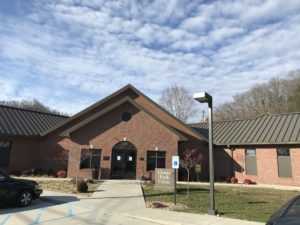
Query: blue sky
69 54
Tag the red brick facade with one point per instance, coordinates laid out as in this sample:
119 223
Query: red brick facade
149 129
104 133
267 165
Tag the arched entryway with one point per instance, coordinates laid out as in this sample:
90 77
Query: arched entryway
123 163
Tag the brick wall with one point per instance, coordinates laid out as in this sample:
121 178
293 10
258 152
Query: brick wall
267 167
23 154
144 132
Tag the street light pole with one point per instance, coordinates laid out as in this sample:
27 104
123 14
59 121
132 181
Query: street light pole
204 97
211 210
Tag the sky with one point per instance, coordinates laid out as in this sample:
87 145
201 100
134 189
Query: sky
70 53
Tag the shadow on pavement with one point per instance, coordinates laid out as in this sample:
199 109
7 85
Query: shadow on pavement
44 201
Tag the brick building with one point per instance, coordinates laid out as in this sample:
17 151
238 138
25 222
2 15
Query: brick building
127 135
265 149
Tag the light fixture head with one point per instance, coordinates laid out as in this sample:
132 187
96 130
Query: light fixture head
203 97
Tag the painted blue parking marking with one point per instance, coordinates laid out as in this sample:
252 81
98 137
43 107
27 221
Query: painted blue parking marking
38 217
4 221
70 211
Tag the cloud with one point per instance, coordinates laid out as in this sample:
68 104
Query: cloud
71 53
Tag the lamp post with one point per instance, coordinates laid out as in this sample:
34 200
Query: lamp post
204 97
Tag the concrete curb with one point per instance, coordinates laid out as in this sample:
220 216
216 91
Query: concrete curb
162 222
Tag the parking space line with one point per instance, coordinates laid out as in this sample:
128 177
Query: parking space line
70 211
38 217
4 221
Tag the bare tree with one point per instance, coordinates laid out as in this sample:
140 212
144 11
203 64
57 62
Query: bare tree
177 100
275 96
32 105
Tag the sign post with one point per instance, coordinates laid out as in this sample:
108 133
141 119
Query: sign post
175 166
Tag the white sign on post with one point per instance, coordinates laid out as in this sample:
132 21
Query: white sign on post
175 162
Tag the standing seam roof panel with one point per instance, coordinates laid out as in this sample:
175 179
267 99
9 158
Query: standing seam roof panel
262 129
16 121
224 131
219 128
269 135
247 137
294 136
11 126
20 121
291 128
277 131
233 130
268 127
4 123
242 132
285 128
35 123
237 130
28 124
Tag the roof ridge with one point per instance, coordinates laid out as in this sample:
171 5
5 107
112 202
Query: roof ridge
31 110
280 114
257 117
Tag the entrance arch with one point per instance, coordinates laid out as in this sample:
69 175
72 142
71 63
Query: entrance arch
123 161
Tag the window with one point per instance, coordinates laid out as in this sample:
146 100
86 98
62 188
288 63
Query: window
90 159
250 161
126 116
284 162
4 154
156 159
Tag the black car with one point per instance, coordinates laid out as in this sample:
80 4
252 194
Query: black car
17 191
288 214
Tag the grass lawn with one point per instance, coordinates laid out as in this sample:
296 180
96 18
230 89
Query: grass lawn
236 202
66 186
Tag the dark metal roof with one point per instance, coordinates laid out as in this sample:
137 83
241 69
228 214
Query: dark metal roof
266 129
22 122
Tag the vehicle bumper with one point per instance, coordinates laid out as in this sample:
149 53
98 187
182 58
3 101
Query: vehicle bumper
37 193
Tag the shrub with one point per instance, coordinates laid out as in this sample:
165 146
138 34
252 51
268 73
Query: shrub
248 181
61 174
16 173
82 186
51 173
233 180
28 172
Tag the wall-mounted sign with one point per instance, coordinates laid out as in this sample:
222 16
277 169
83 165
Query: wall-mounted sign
119 158
130 158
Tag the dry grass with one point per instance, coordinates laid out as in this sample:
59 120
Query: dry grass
236 202
66 186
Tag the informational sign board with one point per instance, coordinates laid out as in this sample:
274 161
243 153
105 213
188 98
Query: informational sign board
164 179
175 162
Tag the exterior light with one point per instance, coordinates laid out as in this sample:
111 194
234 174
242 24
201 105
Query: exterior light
204 97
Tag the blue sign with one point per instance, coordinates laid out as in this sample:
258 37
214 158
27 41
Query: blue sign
175 162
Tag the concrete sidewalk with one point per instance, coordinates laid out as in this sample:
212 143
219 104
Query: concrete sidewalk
165 217
116 202
131 204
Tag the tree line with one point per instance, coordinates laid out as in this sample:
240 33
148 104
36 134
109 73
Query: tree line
279 95
32 105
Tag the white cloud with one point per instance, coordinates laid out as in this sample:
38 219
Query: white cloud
83 50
